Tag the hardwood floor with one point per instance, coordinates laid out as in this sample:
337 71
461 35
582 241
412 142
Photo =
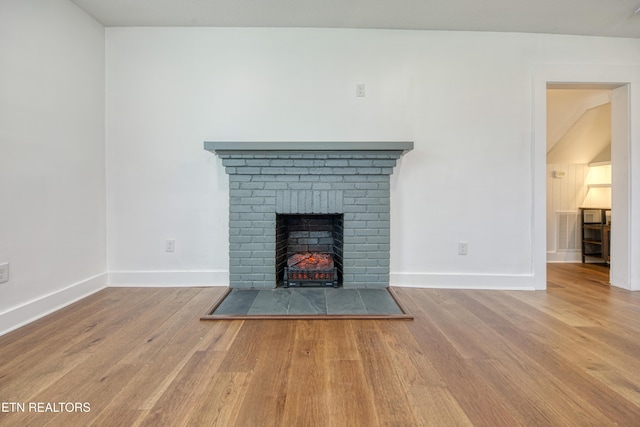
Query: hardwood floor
569 356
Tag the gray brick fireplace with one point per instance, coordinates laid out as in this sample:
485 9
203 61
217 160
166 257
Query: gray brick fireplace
272 179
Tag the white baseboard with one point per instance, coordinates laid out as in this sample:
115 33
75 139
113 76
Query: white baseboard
170 278
463 281
39 307
564 256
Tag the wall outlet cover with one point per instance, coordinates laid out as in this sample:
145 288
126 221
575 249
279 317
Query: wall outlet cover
4 272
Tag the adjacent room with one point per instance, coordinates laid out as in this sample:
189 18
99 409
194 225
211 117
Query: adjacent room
473 162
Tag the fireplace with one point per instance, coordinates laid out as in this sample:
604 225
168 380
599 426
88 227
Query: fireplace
311 199
309 250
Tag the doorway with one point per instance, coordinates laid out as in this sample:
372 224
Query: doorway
578 172
622 96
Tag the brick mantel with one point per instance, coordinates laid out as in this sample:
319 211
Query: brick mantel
270 178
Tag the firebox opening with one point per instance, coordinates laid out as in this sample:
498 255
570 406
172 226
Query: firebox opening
309 250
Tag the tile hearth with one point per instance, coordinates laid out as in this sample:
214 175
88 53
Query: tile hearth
292 302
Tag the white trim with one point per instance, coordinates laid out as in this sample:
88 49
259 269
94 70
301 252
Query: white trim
564 256
611 76
463 281
168 278
36 308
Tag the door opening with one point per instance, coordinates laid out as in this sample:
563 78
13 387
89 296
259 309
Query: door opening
586 139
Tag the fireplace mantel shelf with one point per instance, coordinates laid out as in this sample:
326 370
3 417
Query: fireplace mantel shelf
306 146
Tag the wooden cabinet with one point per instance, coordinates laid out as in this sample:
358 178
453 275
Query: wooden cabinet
596 234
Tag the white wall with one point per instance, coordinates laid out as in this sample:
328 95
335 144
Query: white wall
466 100
52 172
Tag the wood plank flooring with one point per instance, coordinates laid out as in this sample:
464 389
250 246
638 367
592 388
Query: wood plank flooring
569 356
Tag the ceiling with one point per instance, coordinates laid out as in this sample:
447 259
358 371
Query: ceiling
613 18
578 125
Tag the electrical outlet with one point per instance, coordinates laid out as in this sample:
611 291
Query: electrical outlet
170 245
463 248
4 272
360 90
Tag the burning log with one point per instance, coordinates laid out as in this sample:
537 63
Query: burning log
310 261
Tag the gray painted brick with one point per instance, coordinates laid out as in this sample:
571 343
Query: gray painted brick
319 171
378 209
284 171
369 171
377 224
242 270
263 270
305 163
357 240
376 270
275 185
366 247
278 163
252 200
252 262
370 217
301 186
240 224
240 254
354 255
367 185
381 194
367 201
233 208
385 163
239 240
361 163
353 208
246 170
253 216
336 163
309 183
263 193
242 192
259 162
367 232
234 162
384 262
253 247
368 278
239 178
265 208
251 231
263 254
251 186
320 185
288 178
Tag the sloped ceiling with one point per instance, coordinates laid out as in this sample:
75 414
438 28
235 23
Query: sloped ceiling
588 140
615 18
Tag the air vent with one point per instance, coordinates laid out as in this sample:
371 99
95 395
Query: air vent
568 231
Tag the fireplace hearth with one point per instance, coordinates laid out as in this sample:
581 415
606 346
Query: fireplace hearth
321 202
